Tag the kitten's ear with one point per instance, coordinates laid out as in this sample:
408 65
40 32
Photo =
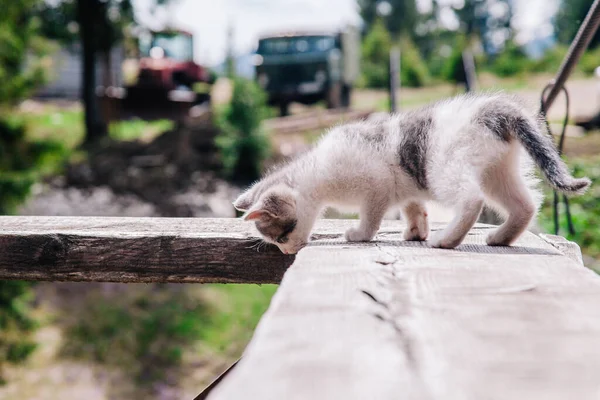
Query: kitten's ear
243 202
256 214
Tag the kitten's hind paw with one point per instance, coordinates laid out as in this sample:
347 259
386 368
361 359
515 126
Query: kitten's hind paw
414 235
357 235
439 241
497 239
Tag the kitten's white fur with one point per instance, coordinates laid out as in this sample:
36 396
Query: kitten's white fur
466 166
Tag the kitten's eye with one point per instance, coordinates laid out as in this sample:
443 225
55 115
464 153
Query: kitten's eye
282 239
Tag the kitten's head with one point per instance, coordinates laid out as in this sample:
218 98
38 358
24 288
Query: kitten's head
275 215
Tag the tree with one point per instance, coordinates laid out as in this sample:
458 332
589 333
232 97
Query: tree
19 40
478 22
569 18
99 25
88 17
402 17
375 56
242 141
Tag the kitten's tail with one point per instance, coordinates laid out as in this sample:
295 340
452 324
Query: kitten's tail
544 153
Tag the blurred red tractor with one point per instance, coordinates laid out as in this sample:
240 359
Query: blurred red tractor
164 83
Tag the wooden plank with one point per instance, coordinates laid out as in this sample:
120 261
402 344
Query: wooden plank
401 320
136 250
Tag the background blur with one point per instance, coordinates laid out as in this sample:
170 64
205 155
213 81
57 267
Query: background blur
170 107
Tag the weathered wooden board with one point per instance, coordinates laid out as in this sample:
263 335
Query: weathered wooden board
398 320
136 250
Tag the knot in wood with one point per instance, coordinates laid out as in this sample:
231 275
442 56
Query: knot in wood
51 250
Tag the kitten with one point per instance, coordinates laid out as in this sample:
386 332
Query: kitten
462 152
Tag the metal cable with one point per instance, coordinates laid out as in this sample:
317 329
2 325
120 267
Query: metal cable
561 143
578 46
580 43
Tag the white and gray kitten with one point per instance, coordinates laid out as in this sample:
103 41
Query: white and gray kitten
463 152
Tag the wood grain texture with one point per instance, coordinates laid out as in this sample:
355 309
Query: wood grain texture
135 250
399 320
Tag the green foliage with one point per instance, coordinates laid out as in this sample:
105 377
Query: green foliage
452 69
235 313
143 333
550 61
585 209
402 19
22 69
243 143
376 55
54 124
590 61
16 326
22 163
22 51
478 22
146 331
569 18
511 61
413 71
139 129
59 20
66 126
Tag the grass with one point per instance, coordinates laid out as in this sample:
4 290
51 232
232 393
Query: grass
67 126
237 310
136 336
139 130
146 329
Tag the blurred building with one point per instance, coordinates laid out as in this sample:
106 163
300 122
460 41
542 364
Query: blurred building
65 80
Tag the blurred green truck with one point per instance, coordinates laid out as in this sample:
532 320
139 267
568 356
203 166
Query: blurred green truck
308 67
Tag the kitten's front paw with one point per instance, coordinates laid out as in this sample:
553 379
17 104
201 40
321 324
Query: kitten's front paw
357 235
439 241
415 234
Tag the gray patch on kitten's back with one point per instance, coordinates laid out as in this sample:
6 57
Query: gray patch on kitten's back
412 151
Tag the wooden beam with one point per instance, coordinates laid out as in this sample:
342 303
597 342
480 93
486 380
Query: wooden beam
136 250
396 319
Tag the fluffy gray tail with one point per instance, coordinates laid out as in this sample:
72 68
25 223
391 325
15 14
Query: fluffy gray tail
544 153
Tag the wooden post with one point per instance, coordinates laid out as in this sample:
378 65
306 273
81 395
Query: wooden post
395 81
470 73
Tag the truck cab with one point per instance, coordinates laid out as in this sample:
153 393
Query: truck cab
308 68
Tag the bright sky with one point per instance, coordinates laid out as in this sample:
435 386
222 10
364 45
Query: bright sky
209 19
